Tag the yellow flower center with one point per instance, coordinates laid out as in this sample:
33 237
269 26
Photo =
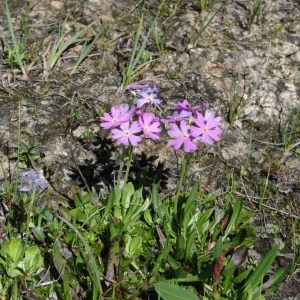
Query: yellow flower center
114 120
205 129
147 128
184 136
127 133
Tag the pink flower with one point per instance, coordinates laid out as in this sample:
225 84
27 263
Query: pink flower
209 113
119 114
182 136
126 134
186 106
177 117
207 129
150 125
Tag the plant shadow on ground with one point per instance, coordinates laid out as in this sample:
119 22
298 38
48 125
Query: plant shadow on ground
102 171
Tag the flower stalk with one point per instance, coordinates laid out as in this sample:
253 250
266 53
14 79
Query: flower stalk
121 166
130 150
184 165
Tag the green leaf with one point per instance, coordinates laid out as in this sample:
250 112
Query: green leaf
67 293
33 262
80 200
180 246
135 245
116 195
92 266
108 207
58 259
247 293
192 195
218 248
189 209
256 277
137 207
159 208
160 259
39 234
13 271
14 249
241 277
13 252
190 245
18 55
274 280
228 278
235 214
148 217
64 44
169 291
143 206
127 194
203 218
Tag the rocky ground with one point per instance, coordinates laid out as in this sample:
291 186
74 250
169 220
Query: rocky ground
245 65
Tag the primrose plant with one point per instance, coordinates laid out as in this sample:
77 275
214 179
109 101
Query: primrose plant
187 126
199 246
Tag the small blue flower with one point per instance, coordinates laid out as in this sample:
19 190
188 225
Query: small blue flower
147 94
147 97
31 181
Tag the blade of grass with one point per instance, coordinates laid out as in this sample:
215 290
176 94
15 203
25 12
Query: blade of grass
86 49
135 56
126 77
206 22
16 45
62 45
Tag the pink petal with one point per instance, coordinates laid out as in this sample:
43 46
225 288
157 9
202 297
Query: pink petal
116 134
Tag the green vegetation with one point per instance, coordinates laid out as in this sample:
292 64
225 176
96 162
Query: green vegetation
17 53
131 242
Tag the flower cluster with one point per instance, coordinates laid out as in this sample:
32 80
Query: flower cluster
128 124
187 126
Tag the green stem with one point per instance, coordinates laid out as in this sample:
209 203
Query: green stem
121 167
29 211
127 152
185 162
128 164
